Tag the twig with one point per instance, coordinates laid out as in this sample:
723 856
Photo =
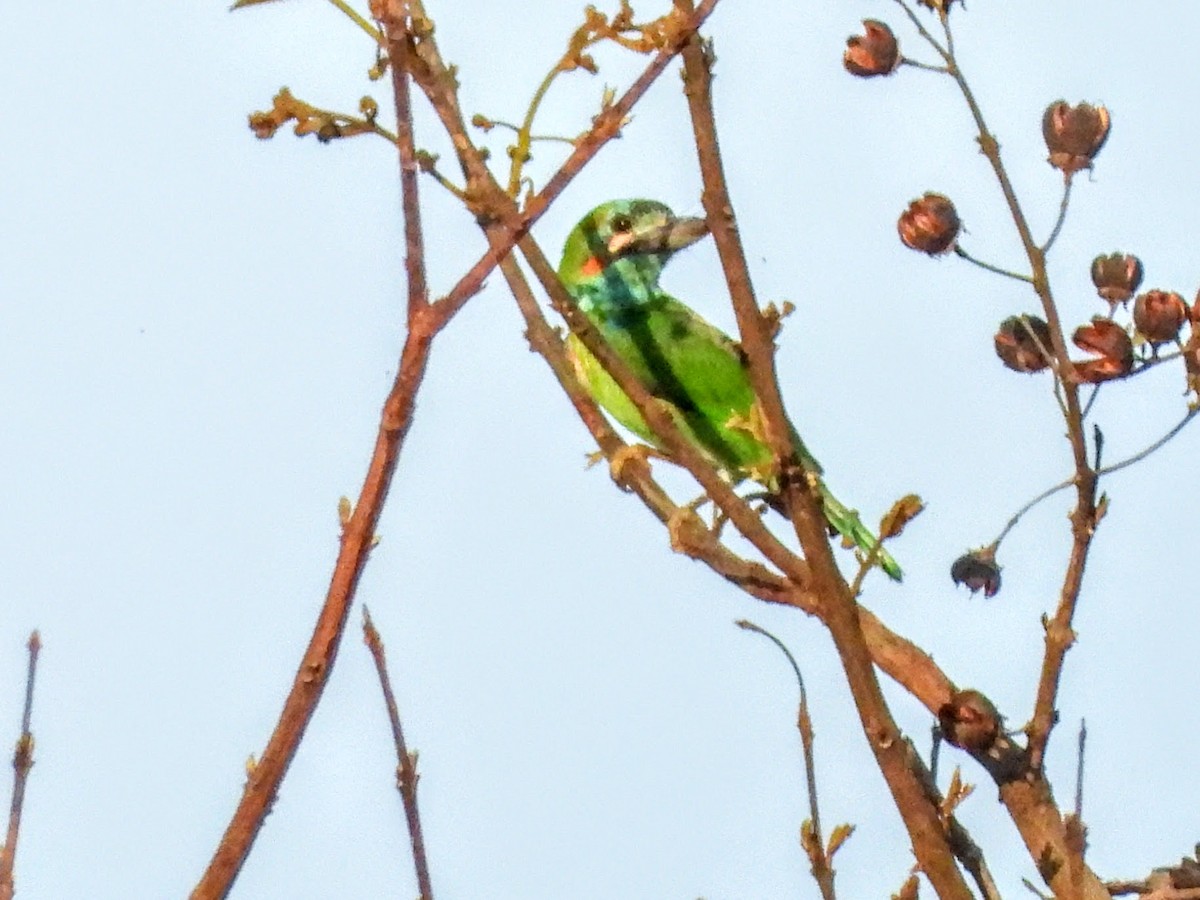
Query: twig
1068 180
22 763
1158 444
358 537
822 869
1079 769
414 267
1027 800
406 769
963 254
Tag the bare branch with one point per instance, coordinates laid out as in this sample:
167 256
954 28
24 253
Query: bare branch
22 763
406 768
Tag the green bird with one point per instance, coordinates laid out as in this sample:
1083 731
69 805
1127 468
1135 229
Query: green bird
611 265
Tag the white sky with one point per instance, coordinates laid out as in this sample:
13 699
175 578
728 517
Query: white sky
196 332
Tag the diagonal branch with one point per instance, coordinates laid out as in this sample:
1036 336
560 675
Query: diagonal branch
358 537
22 763
406 768
838 607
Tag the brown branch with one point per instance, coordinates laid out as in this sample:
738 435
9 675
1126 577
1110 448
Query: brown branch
396 31
839 608
406 769
810 836
22 763
1059 635
358 537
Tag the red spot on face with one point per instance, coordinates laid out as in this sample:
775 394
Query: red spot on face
592 266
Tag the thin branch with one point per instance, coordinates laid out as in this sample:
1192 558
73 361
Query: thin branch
822 870
1079 769
839 607
22 763
1143 453
406 769
358 19
1068 180
358 537
1029 800
963 254
414 258
905 61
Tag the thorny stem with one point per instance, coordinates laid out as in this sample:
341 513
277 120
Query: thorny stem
822 870
839 608
963 254
406 768
22 763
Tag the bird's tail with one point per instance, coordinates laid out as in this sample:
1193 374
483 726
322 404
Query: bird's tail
846 522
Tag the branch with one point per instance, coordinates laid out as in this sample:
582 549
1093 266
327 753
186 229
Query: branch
22 763
357 539
406 769
839 608
818 856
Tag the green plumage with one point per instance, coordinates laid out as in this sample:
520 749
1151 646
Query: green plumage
611 265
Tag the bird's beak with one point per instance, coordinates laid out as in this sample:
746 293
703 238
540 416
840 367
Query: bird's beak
672 235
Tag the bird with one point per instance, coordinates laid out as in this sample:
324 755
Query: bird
611 264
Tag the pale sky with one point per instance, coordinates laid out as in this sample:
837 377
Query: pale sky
197 331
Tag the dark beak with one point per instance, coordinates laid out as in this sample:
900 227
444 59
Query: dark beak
666 238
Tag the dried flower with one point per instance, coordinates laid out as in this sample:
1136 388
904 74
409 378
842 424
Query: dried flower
970 721
977 569
930 224
1159 315
1112 345
1074 134
1116 276
875 52
1023 342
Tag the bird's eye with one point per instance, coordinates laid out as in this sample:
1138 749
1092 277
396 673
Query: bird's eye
621 224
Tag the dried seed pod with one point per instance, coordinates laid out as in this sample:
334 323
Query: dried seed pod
874 52
930 224
1074 134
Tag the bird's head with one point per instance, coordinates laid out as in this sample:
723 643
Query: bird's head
624 244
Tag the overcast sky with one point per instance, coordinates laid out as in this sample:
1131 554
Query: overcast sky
197 329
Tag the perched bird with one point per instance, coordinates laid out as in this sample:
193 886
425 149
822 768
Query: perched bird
611 264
